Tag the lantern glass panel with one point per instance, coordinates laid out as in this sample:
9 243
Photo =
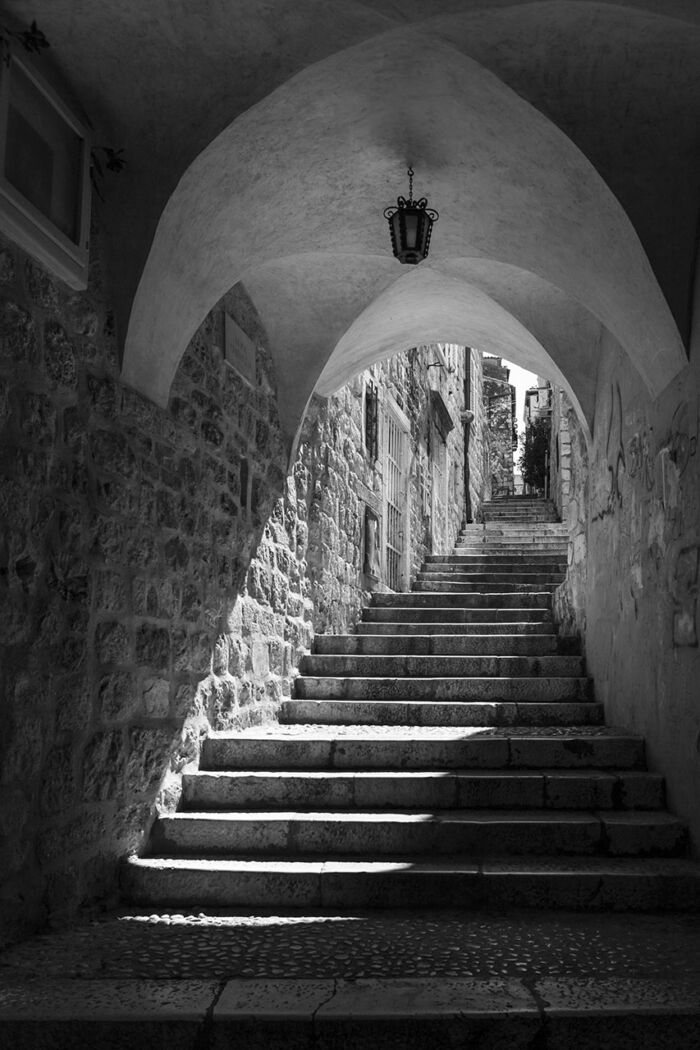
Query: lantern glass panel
412 228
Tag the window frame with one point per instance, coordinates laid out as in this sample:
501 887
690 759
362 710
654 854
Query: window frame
21 220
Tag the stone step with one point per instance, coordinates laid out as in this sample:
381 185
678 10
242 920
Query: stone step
405 628
446 644
514 513
516 534
472 832
439 667
415 747
451 586
504 789
523 518
525 578
538 502
544 527
540 562
510 550
432 713
495 543
466 614
445 600
580 883
513 1010
524 690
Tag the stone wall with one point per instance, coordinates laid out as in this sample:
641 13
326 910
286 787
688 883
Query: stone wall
641 616
160 574
563 420
124 532
569 474
479 437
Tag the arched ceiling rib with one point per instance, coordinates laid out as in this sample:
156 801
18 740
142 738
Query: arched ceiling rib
619 79
307 171
472 302
426 307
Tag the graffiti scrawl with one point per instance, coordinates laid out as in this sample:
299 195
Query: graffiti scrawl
615 456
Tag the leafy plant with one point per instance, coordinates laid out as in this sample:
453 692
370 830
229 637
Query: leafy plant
112 160
534 456
31 39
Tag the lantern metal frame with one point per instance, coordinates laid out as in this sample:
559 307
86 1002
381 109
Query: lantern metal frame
421 214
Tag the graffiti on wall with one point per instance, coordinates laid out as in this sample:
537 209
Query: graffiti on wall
683 586
680 445
615 457
640 459
682 439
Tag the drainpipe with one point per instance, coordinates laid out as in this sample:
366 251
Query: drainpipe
467 420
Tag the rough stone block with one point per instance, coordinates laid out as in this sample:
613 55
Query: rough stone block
152 646
112 643
117 698
59 356
104 762
17 334
8 268
148 759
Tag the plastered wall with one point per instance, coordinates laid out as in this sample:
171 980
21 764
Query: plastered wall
634 515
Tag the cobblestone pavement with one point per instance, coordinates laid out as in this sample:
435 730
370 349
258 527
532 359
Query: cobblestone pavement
527 945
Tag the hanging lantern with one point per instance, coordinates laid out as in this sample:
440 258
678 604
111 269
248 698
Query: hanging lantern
410 225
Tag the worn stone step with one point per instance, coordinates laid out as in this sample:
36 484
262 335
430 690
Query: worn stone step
522 539
441 667
537 517
517 504
554 546
515 1010
446 644
523 520
468 586
504 789
525 578
445 600
456 563
537 528
510 549
579 883
469 831
467 614
310 687
427 713
555 528
415 747
513 535
404 628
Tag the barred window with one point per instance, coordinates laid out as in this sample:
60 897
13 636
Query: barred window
371 422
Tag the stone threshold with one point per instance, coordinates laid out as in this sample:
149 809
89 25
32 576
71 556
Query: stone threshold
312 1014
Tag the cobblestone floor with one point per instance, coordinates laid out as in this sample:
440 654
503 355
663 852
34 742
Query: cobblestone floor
527 945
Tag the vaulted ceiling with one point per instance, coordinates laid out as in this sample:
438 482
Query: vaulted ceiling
559 140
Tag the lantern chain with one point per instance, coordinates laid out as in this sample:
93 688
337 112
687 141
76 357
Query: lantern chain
410 183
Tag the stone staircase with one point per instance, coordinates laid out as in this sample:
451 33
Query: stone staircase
448 754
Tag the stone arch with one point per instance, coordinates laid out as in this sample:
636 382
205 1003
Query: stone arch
306 172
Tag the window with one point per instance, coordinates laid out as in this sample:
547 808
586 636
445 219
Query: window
44 172
371 421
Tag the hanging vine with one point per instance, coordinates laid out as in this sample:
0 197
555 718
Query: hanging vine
102 158
31 39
